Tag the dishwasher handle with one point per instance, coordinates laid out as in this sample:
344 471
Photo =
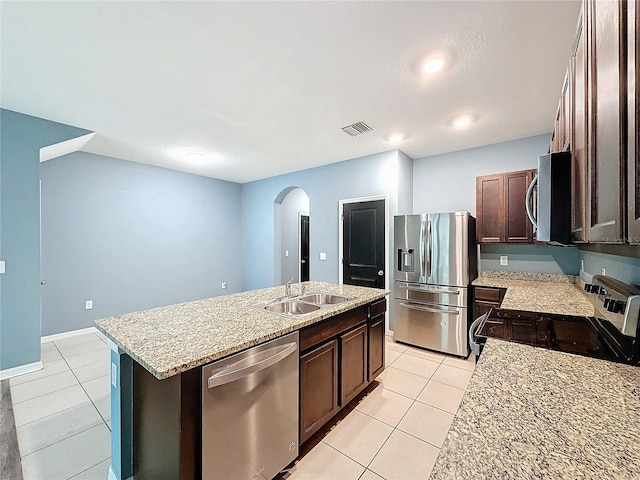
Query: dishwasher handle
240 369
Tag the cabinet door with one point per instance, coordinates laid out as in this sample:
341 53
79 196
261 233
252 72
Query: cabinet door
607 120
376 346
318 388
353 363
518 228
633 153
579 141
567 110
490 209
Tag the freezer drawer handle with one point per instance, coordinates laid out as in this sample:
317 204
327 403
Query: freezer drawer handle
240 369
417 288
427 309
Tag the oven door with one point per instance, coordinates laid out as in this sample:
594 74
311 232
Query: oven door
437 327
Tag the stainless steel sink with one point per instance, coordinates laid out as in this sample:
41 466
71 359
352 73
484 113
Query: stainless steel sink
324 298
291 307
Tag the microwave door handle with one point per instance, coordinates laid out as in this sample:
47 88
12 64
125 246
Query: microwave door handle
532 218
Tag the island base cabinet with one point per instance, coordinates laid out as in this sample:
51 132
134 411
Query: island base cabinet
318 388
376 347
166 426
354 369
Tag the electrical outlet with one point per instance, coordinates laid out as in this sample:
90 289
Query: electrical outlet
114 375
604 271
504 260
323 255
88 305
286 253
2 267
582 265
224 284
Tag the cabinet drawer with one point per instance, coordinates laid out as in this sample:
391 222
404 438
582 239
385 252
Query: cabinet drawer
377 308
332 327
489 294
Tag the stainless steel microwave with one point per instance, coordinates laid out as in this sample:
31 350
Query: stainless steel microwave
549 199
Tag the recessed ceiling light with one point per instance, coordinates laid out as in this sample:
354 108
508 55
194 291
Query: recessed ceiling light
395 137
195 157
462 121
433 65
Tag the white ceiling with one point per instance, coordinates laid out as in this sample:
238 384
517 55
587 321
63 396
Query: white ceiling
265 87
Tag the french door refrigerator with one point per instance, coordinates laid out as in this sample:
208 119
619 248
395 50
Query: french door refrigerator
435 259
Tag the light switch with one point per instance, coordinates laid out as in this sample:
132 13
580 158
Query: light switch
323 255
286 253
2 266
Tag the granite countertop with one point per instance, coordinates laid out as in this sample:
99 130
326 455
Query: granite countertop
540 293
532 413
176 338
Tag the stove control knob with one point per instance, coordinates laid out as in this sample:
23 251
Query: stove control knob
619 307
587 287
607 301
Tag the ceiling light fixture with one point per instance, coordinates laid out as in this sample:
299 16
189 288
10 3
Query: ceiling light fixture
433 65
395 137
196 157
463 121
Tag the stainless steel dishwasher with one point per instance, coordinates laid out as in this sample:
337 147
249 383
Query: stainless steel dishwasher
250 412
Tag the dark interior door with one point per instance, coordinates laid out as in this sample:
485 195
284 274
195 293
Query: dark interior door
363 244
304 248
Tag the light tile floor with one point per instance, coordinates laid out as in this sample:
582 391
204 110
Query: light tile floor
63 413
63 416
396 431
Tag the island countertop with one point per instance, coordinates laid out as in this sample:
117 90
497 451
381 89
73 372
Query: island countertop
533 413
176 338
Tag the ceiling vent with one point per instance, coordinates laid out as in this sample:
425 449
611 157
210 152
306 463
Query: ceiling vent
357 128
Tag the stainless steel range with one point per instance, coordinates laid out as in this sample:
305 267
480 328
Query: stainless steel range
613 333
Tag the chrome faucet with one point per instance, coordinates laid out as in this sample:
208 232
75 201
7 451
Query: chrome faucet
287 288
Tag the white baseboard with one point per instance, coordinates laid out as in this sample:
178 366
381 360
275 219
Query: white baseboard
72 333
21 370
389 333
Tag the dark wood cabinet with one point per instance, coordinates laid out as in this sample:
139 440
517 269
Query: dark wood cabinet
633 125
354 363
376 346
486 298
319 382
500 208
607 119
579 138
340 357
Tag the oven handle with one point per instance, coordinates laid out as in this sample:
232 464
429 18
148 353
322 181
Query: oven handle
473 344
428 309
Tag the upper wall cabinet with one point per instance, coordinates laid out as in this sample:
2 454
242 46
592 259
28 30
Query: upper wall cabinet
607 119
633 118
579 147
500 208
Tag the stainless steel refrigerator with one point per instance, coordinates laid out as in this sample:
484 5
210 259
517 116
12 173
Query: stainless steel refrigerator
435 260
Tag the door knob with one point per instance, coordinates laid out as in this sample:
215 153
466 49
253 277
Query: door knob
380 272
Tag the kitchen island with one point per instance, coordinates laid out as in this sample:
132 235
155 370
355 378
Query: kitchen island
156 355
533 413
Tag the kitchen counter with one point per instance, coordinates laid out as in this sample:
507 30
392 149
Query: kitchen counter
557 294
532 413
173 339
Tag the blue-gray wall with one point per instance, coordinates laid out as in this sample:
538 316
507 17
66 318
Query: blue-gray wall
22 137
443 183
623 268
130 237
366 176
531 258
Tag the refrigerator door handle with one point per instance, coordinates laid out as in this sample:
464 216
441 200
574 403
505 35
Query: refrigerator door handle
419 288
424 308
423 249
429 252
